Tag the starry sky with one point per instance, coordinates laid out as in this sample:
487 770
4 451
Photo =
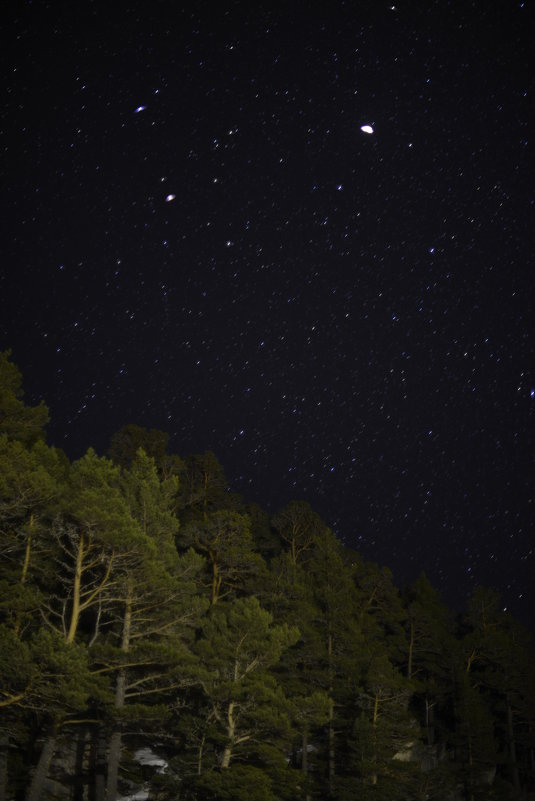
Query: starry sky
299 235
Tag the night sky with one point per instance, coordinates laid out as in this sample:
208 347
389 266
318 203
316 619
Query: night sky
199 236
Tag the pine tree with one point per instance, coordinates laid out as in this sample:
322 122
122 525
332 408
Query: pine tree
31 476
298 526
125 444
383 727
157 608
339 639
240 645
17 420
93 535
289 595
31 483
494 653
204 489
430 645
225 539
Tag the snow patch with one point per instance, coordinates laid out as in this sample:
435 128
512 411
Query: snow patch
145 756
139 795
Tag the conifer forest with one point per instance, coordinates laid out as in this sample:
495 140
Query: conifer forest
163 638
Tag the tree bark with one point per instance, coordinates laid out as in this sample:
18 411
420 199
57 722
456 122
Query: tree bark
200 755
27 552
304 761
430 721
116 739
35 790
24 574
75 613
4 745
80 765
511 745
216 577
99 763
411 650
375 719
114 759
304 751
231 729
332 753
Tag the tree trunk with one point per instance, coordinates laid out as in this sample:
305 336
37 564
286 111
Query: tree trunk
99 763
35 790
374 736
304 761
80 765
216 577
511 745
332 752
411 651
75 612
231 730
200 755
430 721
114 759
27 552
471 768
304 751
116 739
331 747
24 574
4 746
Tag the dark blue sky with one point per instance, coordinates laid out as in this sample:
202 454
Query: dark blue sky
199 237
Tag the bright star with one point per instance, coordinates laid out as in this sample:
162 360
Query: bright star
139 108
366 129
169 198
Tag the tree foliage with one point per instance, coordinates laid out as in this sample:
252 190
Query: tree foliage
143 604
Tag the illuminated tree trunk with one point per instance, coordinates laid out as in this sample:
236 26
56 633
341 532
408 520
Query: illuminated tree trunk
216 577
374 736
115 749
75 613
304 761
332 752
80 765
25 568
35 791
200 755
100 764
411 650
27 552
231 731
